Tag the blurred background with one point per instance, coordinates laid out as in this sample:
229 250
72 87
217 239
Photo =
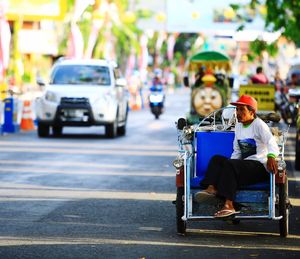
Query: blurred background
143 35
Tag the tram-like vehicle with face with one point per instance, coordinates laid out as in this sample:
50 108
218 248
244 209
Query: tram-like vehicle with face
208 76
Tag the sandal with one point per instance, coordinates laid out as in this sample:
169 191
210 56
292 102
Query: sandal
225 213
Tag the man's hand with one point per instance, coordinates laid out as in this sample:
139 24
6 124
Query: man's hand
272 165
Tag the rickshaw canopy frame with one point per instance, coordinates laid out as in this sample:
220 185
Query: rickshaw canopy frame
210 59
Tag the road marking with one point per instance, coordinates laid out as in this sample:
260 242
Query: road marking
295 201
63 163
289 158
294 179
71 171
30 241
81 151
119 146
22 191
151 229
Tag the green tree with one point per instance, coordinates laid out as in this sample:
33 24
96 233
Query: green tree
121 28
283 16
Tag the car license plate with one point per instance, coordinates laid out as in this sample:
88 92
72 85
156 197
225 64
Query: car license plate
74 113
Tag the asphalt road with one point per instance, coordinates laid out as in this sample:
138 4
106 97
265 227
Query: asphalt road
85 196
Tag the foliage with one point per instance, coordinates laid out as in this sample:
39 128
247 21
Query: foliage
125 32
283 15
257 47
183 46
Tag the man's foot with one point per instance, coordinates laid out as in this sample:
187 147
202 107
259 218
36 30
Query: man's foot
205 196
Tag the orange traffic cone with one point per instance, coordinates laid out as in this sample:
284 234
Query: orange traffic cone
27 121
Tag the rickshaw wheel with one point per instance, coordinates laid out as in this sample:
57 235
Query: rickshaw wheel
283 208
181 225
297 158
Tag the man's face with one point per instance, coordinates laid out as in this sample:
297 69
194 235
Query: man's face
244 114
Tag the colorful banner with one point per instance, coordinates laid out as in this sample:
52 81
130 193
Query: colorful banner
264 94
75 42
5 37
35 10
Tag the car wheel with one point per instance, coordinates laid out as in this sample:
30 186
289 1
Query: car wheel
57 130
111 129
122 130
181 225
43 130
297 156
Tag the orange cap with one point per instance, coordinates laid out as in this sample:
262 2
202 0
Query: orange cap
246 100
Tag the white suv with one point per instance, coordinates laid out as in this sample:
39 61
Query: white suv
83 93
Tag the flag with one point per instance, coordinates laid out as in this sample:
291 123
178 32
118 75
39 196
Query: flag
97 24
130 63
143 57
75 43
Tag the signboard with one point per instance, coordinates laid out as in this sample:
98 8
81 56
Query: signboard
38 42
264 94
35 10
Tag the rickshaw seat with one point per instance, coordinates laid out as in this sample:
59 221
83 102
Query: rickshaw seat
257 186
210 143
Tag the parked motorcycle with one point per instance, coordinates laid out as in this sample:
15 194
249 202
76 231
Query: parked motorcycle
294 95
156 100
287 108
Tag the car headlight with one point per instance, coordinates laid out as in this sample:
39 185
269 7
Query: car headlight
51 97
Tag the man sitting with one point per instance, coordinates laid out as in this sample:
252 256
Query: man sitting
254 153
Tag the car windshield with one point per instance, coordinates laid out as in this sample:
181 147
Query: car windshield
80 75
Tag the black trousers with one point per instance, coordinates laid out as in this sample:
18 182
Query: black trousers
228 175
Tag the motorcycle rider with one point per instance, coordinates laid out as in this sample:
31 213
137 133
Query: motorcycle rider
157 97
157 84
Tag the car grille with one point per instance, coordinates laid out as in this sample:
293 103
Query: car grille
72 100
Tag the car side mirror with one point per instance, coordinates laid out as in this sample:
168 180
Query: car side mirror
40 81
186 81
121 82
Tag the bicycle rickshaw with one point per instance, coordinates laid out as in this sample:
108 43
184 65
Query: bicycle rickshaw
214 135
